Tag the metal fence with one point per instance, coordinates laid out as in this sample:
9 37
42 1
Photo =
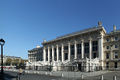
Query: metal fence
71 73
64 68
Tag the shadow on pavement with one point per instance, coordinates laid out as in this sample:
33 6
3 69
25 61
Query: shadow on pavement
8 76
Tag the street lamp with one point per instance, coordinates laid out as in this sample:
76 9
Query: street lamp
2 42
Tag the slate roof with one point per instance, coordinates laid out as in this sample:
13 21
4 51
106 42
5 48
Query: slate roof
34 49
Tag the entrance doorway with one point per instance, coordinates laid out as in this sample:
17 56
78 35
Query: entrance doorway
79 67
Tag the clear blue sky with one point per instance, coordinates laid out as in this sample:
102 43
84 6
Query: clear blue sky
25 23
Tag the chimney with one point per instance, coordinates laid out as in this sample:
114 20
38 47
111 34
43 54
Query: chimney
37 46
99 23
114 28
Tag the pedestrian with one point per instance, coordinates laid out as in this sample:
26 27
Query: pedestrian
20 73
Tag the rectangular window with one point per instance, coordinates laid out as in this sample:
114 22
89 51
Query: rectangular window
107 65
60 57
107 47
72 51
107 39
66 56
115 65
79 48
116 46
94 45
107 55
116 38
79 51
51 54
115 55
65 47
86 48
55 54
46 54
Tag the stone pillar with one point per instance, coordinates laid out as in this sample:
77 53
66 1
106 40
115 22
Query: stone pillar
75 47
90 49
44 54
52 53
57 53
100 44
69 51
62 52
48 54
82 50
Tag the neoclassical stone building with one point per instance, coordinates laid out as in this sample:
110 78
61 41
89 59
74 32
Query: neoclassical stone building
111 47
35 57
83 49
87 50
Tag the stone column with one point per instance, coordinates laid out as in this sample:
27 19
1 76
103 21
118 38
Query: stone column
100 44
62 52
69 51
57 54
82 50
44 54
90 48
48 54
52 53
75 47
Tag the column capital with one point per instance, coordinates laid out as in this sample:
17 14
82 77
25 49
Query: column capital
52 46
57 45
75 41
99 37
90 39
48 47
82 40
68 43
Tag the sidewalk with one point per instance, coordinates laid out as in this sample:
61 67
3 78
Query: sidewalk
64 73
7 77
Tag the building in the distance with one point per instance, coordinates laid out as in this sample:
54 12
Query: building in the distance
86 50
35 56
9 57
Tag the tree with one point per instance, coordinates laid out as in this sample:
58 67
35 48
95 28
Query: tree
8 61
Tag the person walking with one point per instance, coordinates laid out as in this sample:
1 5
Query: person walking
20 73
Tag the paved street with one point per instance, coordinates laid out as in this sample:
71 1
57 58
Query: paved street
107 76
13 76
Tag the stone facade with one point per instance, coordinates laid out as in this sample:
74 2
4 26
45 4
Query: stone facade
87 50
83 49
35 57
112 50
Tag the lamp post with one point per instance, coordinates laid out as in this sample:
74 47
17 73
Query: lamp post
2 42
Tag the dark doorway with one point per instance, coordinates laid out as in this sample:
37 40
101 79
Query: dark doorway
94 55
115 66
79 67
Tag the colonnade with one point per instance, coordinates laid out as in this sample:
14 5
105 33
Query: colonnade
100 50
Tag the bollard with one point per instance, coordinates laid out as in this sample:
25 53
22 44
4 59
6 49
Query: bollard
102 78
46 73
50 73
114 78
82 77
38 72
62 75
